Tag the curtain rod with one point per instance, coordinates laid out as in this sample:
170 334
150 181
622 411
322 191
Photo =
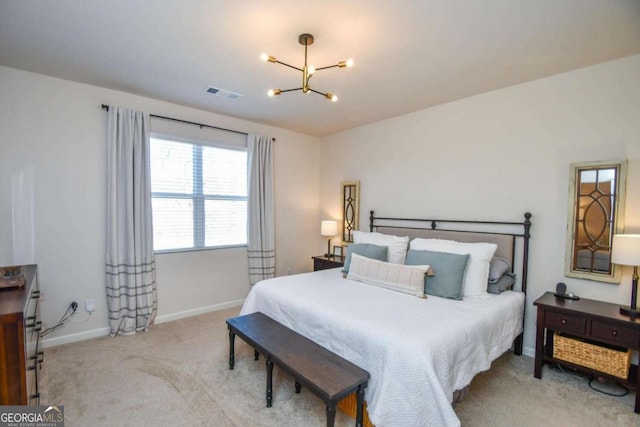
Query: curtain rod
202 125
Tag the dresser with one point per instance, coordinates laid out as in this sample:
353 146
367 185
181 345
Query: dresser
596 322
20 355
323 262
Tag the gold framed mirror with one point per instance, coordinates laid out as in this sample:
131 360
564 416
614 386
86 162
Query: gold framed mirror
596 203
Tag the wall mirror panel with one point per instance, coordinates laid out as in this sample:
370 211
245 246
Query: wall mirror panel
596 201
350 209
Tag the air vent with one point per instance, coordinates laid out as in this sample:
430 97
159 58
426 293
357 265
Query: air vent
223 93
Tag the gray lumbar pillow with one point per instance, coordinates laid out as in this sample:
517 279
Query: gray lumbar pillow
497 268
504 283
448 271
364 249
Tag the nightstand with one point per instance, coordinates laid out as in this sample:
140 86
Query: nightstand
596 322
322 262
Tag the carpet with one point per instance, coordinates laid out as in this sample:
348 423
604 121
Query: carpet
177 374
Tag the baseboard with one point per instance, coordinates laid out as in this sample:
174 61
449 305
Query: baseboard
79 336
529 351
102 332
197 311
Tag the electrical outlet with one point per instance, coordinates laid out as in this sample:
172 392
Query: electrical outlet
90 305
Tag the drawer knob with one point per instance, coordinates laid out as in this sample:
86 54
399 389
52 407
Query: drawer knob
614 332
564 321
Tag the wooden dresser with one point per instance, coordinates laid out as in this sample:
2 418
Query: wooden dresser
20 355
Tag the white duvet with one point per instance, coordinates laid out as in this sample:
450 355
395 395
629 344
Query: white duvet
418 351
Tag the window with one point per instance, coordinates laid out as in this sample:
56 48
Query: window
199 195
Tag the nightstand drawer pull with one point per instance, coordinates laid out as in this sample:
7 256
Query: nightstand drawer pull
615 334
564 323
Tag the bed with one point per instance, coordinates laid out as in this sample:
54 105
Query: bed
419 351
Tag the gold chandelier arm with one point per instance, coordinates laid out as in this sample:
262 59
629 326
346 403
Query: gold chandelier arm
342 64
331 97
327 67
287 65
315 91
291 90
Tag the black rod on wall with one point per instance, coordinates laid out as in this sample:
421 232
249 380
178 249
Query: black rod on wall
106 107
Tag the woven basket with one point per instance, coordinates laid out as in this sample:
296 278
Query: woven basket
608 360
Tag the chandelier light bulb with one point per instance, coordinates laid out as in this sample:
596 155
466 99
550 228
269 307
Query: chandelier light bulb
331 96
266 57
349 63
274 92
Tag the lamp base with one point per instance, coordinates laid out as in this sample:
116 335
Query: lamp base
625 310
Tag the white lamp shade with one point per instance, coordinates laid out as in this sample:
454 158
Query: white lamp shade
329 228
626 249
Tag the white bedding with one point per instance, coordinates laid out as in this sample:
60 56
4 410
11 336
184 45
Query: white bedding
418 351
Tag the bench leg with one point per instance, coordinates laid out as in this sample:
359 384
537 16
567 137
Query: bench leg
360 406
269 381
298 387
331 415
256 354
232 353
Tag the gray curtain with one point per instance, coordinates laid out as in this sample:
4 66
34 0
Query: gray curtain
261 247
130 261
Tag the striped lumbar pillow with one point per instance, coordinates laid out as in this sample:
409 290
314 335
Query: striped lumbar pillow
408 279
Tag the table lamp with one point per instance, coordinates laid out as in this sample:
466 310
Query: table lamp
329 229
626 251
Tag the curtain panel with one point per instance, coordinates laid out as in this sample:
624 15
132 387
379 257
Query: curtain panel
261 248
130 261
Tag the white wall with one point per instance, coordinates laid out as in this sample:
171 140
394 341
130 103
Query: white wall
491 156
497 155
52 139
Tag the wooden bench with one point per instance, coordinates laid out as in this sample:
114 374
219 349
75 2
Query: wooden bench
326 374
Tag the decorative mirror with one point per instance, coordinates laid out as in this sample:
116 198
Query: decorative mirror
350 209
596 198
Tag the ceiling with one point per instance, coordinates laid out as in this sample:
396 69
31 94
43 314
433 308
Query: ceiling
409 55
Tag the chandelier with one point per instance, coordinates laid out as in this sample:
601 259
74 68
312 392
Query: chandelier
307 72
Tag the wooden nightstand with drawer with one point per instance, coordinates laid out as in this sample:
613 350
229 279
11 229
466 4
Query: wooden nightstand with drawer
323 262
592 325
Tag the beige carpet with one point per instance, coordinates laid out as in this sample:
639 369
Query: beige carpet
177 375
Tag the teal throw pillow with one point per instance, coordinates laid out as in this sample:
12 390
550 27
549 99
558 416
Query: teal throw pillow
448 272
364 249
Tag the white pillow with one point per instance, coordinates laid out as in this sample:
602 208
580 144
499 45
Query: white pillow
408 279
477 274
397 245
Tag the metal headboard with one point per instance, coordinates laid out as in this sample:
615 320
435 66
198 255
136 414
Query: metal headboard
503 233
